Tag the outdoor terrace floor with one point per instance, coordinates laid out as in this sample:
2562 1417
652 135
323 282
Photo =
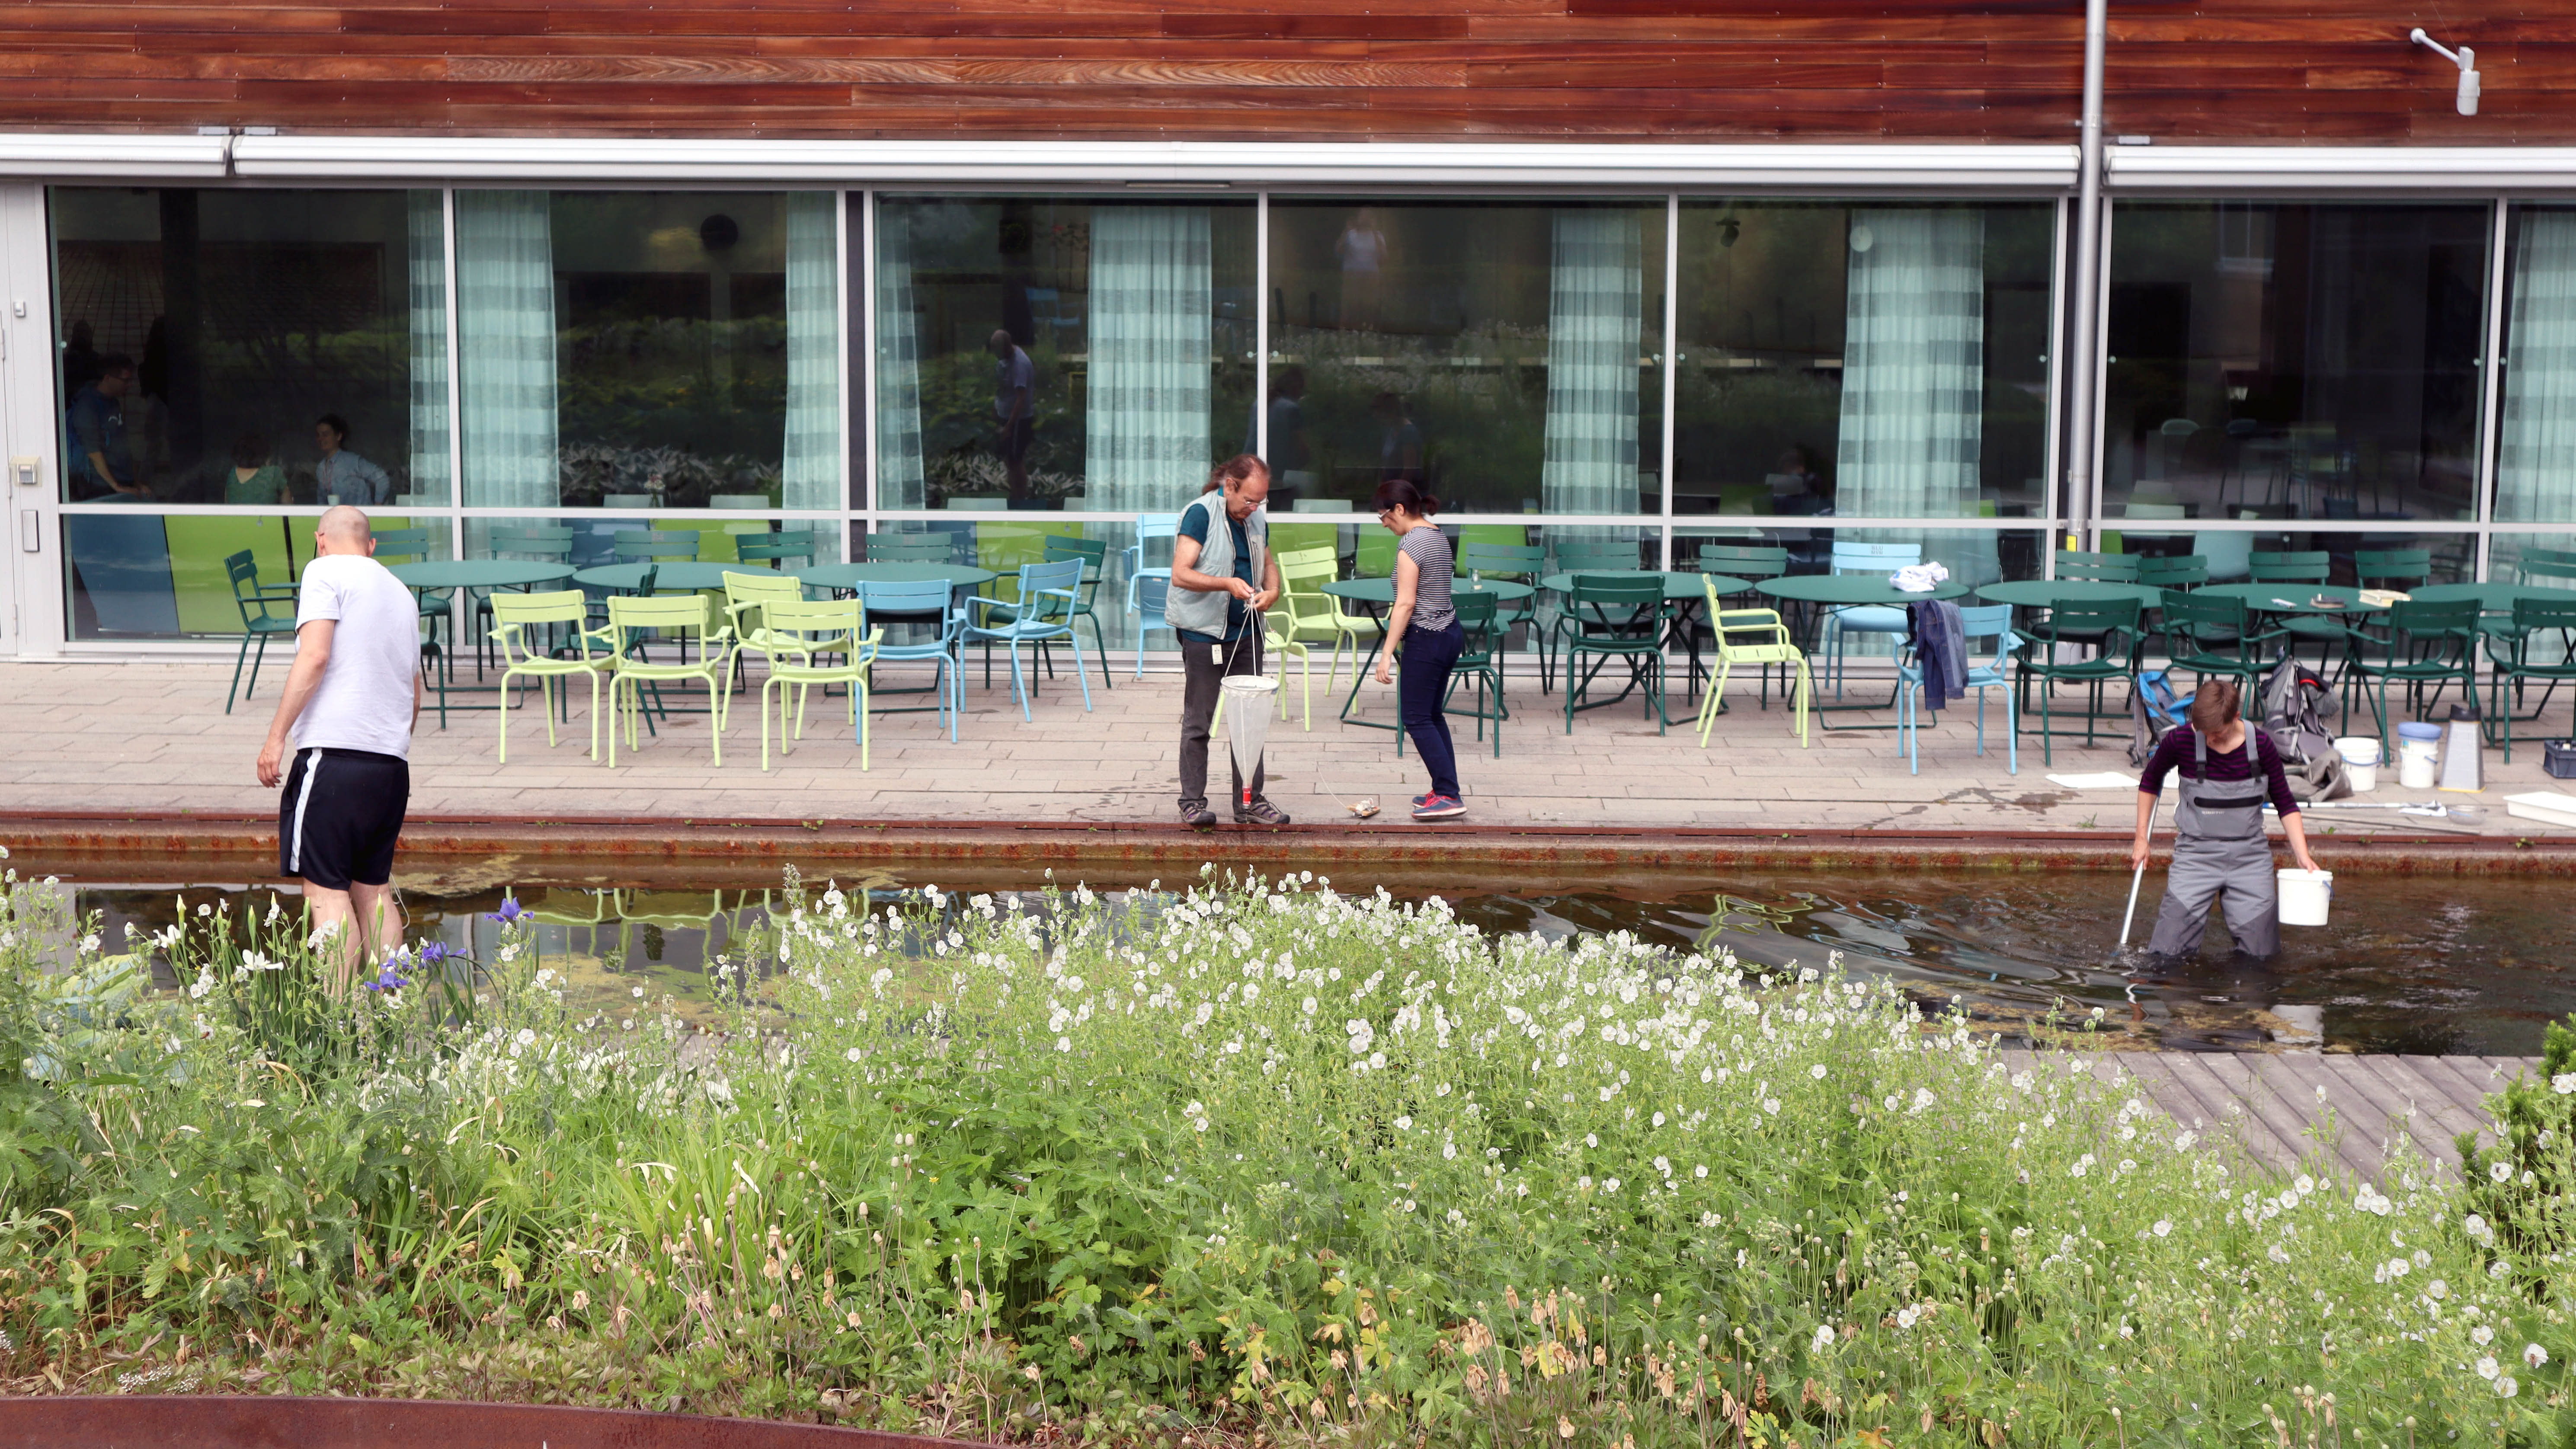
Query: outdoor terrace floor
145 735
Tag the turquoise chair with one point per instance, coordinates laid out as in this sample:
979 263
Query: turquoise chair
1147 592
1050 596
257 602
1865 558
1982 621
925 605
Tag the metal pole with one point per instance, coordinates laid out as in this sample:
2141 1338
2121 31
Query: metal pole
2082 403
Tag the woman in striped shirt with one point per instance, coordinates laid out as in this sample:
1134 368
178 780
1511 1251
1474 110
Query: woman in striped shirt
1424 634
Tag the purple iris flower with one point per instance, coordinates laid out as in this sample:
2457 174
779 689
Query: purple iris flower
509 911
388 979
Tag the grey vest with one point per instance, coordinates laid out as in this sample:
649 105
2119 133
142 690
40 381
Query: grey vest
1205 613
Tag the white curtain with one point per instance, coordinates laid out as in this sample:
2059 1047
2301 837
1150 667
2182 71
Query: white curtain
900 482
1913 401
1146 422
1594 298
505 322
2536 452
428 273
811 475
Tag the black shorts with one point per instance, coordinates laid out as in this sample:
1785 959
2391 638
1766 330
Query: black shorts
339 816
1017 438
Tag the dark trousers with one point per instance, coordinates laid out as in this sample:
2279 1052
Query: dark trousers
1203 669
1421 683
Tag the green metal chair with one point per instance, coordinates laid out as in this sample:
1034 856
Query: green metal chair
2392 568
538 544
1575 556
260 621
774 549
413 545
2108 626
2100 568
2215 636
2308 568
2530 655
2426 643
1612 618
937 548
1520 563
642 545
1480 616
2186 572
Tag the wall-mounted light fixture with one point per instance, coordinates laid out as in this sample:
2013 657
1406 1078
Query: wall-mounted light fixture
2465 58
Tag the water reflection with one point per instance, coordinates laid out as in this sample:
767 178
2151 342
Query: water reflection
2425 966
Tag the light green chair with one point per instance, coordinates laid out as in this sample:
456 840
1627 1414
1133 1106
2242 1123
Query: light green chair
630 620
513 615
748 597
811 628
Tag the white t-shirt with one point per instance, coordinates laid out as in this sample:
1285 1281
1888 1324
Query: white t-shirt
364 700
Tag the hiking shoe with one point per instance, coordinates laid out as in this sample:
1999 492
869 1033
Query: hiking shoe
1438 807
1260 812
1196 812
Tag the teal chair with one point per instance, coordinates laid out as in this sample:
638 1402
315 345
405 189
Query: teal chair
2102 568
2216 635
1043 613
2308 570
412 545
937 548
2185 572
642 545
1093 555
1516 563
535 543
259 604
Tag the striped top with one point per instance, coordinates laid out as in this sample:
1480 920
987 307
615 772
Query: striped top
1430 551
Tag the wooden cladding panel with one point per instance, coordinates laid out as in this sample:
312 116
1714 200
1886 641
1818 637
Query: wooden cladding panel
2000 70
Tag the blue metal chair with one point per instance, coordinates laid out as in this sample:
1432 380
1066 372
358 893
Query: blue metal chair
1865 558
1976 622
926 606
1147 592
1050 595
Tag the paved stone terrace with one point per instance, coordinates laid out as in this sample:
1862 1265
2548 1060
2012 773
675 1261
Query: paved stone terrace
153 735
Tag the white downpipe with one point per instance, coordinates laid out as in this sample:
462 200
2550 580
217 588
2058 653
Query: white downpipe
2083 402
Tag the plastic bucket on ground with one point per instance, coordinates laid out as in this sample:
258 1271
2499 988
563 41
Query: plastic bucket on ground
2360 760
2419 755
2305 894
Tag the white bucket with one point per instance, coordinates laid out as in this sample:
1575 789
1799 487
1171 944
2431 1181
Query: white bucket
2360 761
2418 760
2305 894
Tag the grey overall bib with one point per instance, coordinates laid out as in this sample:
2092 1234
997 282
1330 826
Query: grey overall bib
2220 850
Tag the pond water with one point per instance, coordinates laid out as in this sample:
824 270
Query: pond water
2409 964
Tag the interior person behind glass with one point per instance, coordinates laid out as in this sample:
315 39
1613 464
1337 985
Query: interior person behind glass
343 476
1014 409
1365 253
1399 449
1292 451
255 477
1799 489
94 428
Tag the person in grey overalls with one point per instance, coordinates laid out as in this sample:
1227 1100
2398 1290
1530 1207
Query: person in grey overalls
2220 848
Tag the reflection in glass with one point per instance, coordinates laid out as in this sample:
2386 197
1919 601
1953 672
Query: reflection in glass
2017 553
1869 361
649 350
207 334
1037 354
1499 353
2292 361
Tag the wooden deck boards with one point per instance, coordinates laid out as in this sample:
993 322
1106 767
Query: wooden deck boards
2271 1103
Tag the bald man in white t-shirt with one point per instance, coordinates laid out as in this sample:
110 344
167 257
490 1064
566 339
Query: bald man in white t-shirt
352 700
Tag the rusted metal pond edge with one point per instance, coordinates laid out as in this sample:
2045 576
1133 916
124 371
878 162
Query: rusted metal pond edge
187 1421
209 838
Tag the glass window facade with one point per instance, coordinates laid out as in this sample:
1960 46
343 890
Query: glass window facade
2295 362
1884 360
1507 354
650 350
1060 354
533 373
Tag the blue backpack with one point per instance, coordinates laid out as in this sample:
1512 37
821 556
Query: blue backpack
2154 709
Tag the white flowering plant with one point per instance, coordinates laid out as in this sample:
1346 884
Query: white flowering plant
1257 1159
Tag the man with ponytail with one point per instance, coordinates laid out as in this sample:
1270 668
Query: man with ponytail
1223 577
